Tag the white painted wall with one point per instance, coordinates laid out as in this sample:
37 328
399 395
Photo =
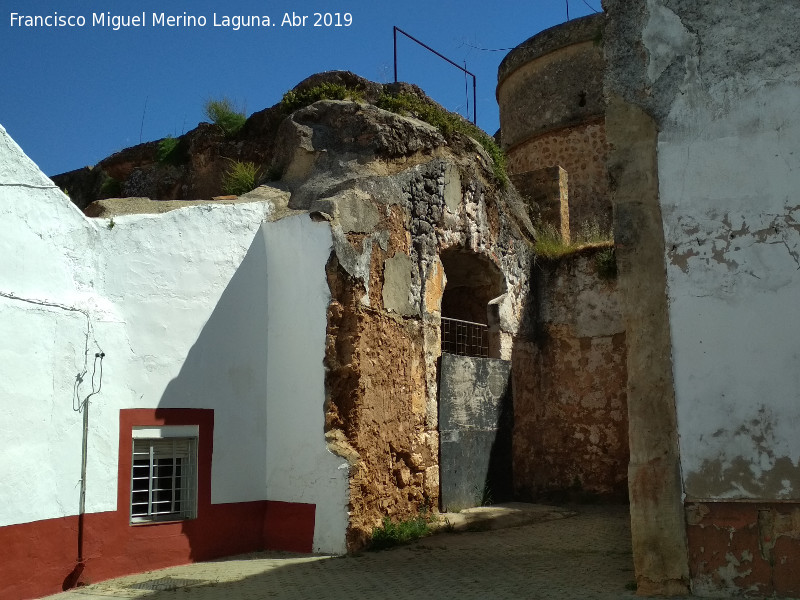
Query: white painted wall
729 183
300 467
190 286
44 303
187 306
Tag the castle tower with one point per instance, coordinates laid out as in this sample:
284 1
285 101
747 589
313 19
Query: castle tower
552 123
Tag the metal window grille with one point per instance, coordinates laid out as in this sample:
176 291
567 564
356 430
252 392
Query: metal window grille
163 479
465 338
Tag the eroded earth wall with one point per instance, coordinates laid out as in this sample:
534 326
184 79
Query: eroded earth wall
398 196
719 83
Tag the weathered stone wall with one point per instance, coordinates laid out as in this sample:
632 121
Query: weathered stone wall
580 150
546 193
570 409
552 81
718 84
404 205
550 92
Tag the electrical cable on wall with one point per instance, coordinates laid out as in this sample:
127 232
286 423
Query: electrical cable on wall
72 579
80 376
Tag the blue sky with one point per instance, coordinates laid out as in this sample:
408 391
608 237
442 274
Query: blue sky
73 95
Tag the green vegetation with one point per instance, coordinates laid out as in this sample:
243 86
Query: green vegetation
404 104
484 496
296 99
240 178
110 224
448 124
274 173
166 153
223 114
110 188
591 232
392 533
606 264
550 243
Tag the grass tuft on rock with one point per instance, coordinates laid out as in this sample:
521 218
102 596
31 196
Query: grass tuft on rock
606 264
240 178
296 99
223 114
166 152
110 188
550 244
447 123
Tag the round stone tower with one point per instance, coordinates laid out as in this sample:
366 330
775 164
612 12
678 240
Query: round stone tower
552 123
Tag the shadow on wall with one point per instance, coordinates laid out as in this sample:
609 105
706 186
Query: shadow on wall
475 425
226 371
226 366
500 477
218 399
569 380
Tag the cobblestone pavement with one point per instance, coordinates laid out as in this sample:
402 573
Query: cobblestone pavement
580 557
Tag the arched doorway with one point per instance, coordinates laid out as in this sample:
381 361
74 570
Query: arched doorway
474 285
475 405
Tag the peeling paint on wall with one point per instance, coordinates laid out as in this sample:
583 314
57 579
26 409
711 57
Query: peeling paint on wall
721 84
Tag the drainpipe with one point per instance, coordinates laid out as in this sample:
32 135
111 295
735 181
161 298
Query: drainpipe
72 579
82 501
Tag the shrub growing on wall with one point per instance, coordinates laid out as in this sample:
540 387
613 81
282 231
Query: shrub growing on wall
296 99
447 123
223 114
240 178
166 153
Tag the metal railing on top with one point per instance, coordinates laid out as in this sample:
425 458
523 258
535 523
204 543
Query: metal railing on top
465 338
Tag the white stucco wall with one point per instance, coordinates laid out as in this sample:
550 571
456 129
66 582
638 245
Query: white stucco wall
201 307
729 183
300 467
45 303
190 287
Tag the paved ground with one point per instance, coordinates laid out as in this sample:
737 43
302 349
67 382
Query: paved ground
565 555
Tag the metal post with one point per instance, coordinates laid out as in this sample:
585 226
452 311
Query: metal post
394 33
443 57
474 101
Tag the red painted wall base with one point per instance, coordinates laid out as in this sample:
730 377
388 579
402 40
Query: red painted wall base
745 548
39 558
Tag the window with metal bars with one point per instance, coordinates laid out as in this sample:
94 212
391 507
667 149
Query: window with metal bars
465 338
163 479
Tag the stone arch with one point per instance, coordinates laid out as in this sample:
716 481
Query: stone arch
473 282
